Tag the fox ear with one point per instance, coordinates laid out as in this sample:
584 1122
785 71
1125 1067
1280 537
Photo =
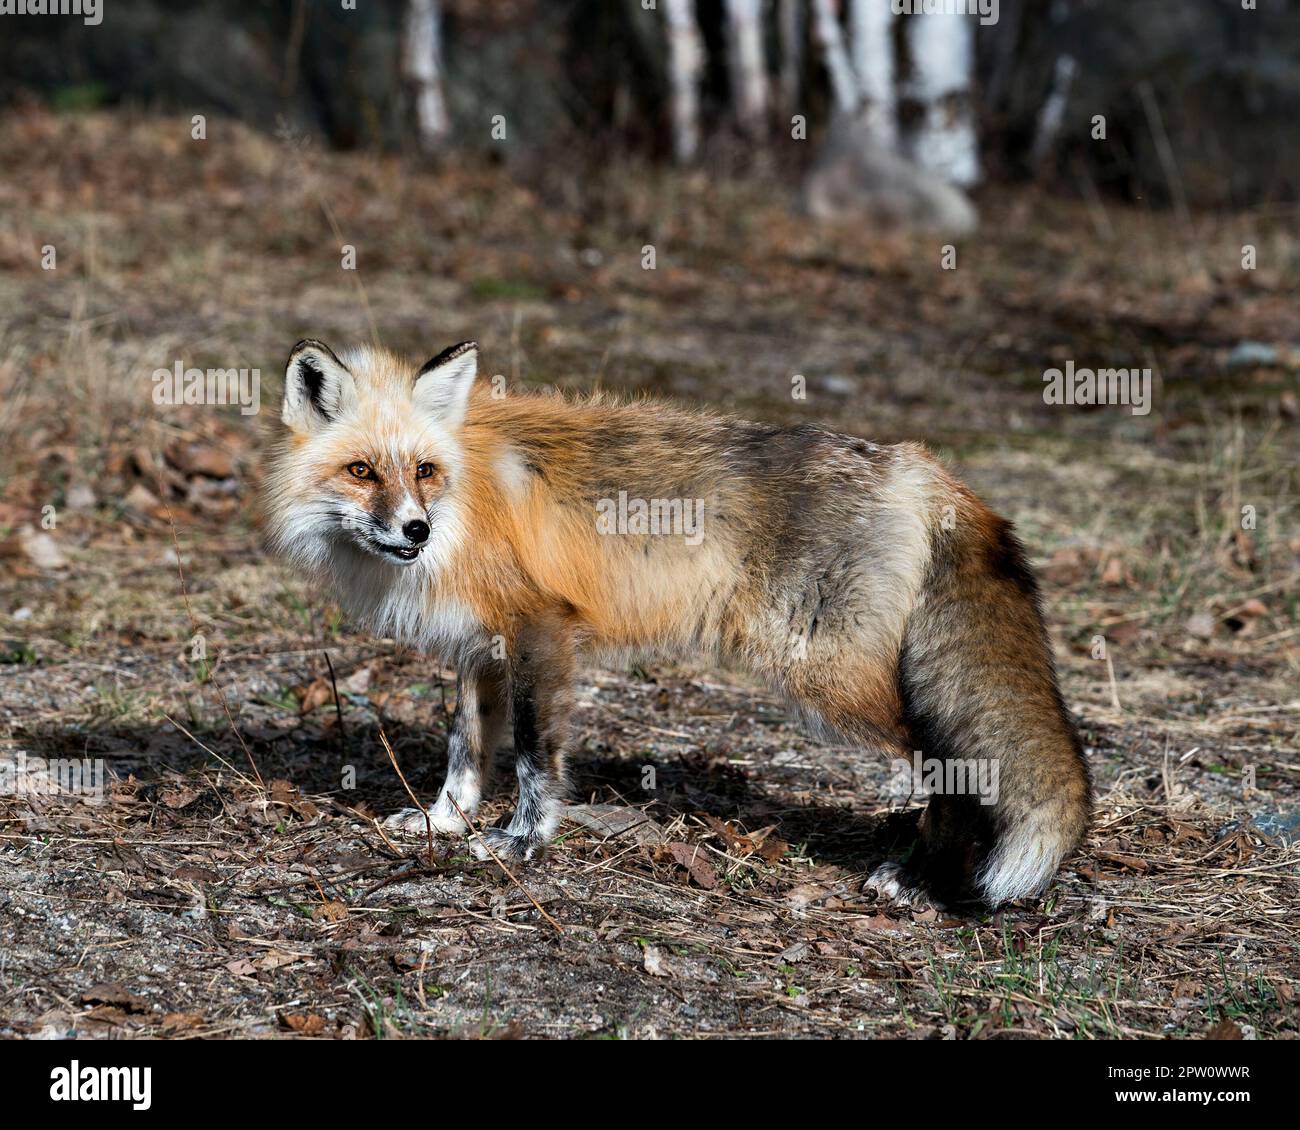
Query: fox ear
317 385
442 385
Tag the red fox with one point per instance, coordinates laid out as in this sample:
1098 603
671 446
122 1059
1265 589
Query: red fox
509 535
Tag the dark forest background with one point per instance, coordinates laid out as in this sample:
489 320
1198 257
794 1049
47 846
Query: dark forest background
584 80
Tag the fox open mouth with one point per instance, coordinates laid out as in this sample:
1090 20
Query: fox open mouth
398 554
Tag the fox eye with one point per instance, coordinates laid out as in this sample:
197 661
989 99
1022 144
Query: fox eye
424 471
361 470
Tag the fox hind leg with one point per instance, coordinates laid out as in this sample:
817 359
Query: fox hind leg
954 836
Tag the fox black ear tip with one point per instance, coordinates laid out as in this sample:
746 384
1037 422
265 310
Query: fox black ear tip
306 344
451 353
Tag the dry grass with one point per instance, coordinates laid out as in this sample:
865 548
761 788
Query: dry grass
194 902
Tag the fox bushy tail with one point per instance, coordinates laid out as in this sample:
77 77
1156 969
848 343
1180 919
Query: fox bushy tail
978 683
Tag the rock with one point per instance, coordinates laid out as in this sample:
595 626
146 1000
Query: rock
855 178
141 499
81 497
614 821
1250 354
41 549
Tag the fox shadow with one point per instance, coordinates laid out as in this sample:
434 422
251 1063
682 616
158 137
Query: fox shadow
352 768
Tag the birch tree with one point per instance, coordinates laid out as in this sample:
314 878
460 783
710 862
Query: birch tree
790 29
685 62
422 69
835 56
943 65
870 24
745 63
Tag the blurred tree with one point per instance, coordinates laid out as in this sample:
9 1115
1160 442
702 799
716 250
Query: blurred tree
685 61
1019 97
422 68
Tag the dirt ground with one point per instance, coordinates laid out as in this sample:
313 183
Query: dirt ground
232 881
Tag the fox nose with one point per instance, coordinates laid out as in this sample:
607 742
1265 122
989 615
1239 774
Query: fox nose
417 532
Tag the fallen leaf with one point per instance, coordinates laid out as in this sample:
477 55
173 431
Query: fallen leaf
313 694
653 961
1225 1029
115 994
692 857
333 911
192 874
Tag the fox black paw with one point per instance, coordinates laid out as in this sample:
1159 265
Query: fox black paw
894 883
508 847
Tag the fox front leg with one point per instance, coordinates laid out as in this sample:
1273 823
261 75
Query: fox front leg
541 703
476 726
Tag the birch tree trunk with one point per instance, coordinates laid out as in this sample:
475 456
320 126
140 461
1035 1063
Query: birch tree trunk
943 63
745 59
1053 112
685 61
830 41
790 27
422 68
873 67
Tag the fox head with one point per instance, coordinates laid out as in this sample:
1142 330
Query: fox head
368 463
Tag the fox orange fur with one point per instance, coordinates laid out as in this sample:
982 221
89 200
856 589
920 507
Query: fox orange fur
511 535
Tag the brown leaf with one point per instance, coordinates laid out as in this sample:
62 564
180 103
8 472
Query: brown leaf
142 500
200 459
314 694
306 1024
1068 566
277 959
1225 1029
874 924
115 994
1132 862
333 911
692 857
191 874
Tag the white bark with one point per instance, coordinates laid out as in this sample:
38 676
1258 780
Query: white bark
826 33
745 59
790 18
1053 112
685 61
422 68
943 61
872 58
